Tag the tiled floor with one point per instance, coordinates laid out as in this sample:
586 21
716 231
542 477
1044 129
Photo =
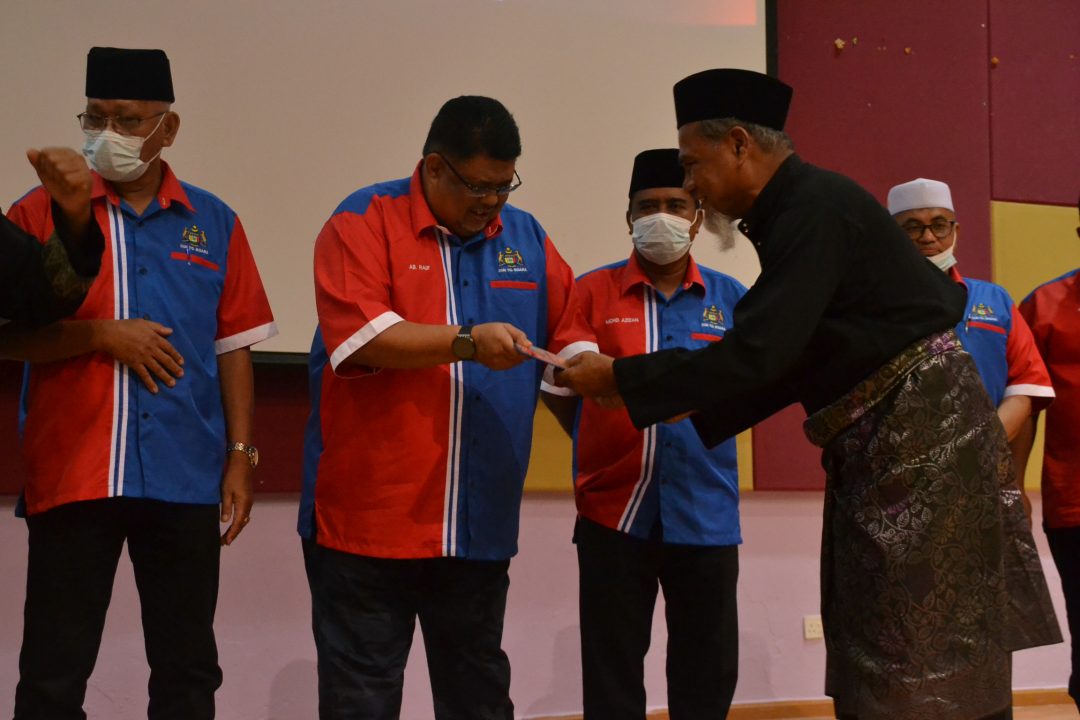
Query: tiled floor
1041 712
1046 712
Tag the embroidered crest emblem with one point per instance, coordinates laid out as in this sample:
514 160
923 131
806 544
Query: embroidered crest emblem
981 311
510 260
713 317
194 237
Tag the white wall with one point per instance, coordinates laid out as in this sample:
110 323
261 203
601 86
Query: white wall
287 107
269 659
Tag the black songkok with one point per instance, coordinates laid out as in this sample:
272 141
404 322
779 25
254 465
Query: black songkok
122 74
656 169
728 93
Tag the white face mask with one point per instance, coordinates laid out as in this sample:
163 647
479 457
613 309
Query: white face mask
118 157
944 260
661 238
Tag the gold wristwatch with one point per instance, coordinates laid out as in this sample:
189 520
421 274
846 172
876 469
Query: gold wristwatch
250 450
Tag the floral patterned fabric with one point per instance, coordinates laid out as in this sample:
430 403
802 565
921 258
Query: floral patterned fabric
929 573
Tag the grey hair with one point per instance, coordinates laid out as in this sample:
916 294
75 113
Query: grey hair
767 138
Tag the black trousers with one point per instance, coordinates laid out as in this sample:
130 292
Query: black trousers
1065 548
364 612
619 578
74 549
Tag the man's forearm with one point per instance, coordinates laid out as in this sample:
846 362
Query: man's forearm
407 345
1021 447
59 341
237 378
1013 412
82 239
564 408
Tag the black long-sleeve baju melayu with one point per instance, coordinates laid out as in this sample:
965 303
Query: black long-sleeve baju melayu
841 292
929 573
41 283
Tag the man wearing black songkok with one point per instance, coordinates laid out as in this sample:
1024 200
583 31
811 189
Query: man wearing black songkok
121 461
922 598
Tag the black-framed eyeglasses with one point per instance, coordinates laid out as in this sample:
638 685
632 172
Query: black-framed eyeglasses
124 124
479 191
939 228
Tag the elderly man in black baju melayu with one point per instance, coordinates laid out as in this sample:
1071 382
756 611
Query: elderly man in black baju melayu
929 577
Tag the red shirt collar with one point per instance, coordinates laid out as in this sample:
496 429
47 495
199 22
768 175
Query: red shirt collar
955 275
170 190
422 217
634 275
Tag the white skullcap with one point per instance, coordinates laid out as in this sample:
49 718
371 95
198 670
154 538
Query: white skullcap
919 193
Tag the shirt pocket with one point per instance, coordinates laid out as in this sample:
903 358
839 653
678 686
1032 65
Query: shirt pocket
514 301
195 261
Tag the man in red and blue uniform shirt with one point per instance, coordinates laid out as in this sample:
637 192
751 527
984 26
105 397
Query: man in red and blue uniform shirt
1053 311
655 506
992 329
421 422
141 453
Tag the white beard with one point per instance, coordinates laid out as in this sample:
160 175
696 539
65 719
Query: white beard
722 226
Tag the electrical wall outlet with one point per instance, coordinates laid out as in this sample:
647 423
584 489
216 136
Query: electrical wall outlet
812 628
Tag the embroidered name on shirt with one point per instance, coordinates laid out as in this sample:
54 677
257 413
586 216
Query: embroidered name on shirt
194 240
612 321
510 260
414 266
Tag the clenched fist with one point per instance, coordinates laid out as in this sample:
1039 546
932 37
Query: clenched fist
65 176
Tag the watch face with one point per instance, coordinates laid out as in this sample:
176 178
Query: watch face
464 347
253 455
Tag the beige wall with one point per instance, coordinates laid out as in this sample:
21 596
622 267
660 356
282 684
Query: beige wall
287 107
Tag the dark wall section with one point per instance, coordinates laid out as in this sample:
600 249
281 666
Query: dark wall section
983 94
905 96
1035 97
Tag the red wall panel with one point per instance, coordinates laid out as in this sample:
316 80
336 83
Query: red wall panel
783 458
1035 100
905 97
882 115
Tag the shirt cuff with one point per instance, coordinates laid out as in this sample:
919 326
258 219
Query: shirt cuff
246 338
363 336
574 348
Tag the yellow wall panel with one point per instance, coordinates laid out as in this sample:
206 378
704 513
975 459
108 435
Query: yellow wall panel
1032 244
549 466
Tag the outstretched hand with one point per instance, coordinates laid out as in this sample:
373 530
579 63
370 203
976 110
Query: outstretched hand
591 375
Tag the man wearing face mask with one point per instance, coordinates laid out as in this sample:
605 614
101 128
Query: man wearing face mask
992 329
655 506
122 460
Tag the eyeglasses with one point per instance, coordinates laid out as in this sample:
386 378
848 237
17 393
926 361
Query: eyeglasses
124 124
480 191
939 228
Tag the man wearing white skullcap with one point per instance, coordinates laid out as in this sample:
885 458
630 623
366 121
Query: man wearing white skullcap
992 329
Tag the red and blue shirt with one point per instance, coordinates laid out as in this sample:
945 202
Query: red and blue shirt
90 429
430 462
633 480
1000 342
1053 311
